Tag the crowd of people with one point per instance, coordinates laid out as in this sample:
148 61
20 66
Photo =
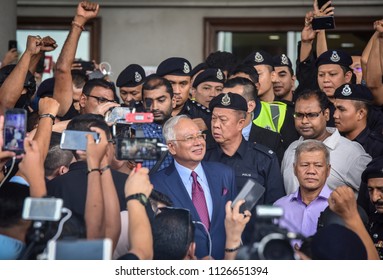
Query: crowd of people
316 149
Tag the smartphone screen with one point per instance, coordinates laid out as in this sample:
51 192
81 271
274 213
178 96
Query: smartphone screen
80 249
15 128
76 140
42 209
137 149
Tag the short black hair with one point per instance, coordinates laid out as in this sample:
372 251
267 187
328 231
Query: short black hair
91 84
319 95
154 82
250 90
173 232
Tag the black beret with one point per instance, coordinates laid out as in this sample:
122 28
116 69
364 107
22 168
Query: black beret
282 60
131 76
198 68
230 101
177 66
354 92
374 169
259 58
209 75
334 57
46 88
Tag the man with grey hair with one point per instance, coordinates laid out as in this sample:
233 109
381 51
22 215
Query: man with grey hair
202 187
302 208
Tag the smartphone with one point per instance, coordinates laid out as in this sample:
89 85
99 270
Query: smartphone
15 128
117 114
96 74
322 2
86 65
12 44
42 209
137 149
76 140
320 23
251 192
80 249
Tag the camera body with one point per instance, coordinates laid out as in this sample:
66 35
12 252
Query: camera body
271 242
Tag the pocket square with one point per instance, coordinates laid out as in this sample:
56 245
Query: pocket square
224 191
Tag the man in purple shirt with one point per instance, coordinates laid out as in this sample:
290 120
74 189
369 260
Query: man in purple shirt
303 207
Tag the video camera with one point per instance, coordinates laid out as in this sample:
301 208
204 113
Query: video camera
271 242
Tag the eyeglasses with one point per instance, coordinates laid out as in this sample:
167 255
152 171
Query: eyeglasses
101 100
309 116
357 69
191 138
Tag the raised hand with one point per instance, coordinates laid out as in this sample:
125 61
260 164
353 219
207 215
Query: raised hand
87 10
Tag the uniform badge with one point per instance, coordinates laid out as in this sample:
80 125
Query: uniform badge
346 90
137 77
334 57
186 68
258 58
226 100
284 59
219 74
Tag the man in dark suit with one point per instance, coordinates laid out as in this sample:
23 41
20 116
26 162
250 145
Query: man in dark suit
204 194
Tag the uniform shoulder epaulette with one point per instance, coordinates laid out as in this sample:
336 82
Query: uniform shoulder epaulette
200 106
263 149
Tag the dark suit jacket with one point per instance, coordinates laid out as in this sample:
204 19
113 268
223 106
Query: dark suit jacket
221 180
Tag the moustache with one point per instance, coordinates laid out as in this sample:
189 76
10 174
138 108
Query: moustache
378 203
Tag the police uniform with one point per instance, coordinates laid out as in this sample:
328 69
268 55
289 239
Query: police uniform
250 161
179 66
375 170
276 116
371 141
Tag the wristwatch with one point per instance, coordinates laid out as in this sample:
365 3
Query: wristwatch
139 196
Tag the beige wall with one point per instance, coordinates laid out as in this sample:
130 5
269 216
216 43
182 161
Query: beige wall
146 32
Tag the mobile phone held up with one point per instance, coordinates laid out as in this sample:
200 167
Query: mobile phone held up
12 44
15 129
251 192
76 140
322 23
137 149
42 209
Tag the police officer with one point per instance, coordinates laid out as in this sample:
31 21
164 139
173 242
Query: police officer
373 178
352 106
284 82
248 159
178 71
130 83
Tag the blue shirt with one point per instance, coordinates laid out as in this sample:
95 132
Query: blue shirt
185 174
11 248
153 130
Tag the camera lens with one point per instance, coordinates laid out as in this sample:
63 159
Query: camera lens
275 246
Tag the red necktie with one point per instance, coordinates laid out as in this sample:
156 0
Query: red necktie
199 201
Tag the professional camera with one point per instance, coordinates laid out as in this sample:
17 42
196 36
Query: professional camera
271 242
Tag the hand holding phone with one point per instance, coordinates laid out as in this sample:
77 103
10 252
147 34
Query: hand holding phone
15 128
